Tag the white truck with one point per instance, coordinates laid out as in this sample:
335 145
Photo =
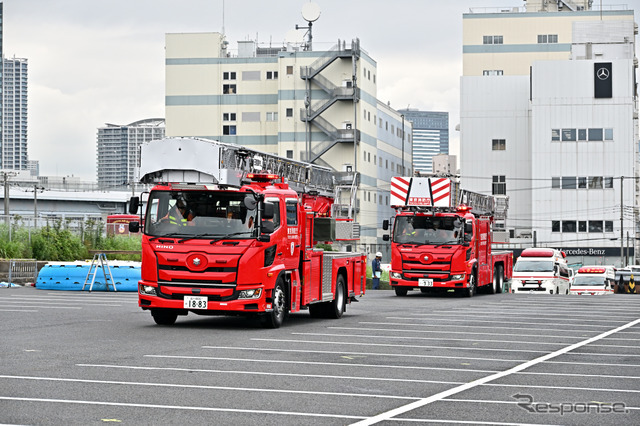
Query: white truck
594 280
541 270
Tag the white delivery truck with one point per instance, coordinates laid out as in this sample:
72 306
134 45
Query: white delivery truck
541 270
594 280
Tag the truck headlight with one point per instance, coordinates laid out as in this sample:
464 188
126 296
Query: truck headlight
396 275
250 294
148 289
458 277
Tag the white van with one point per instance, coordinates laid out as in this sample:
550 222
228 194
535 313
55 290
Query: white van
541 270
594 280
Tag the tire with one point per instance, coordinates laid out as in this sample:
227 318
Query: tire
336 308
471 290
501 279
496 282
275 318
164 317
401 291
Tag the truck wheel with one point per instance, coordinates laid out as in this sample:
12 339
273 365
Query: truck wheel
500 279
496 281
401 291
335 309
275 318
164 317
471 290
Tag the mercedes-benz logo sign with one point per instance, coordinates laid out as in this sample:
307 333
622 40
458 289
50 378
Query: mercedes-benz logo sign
602 73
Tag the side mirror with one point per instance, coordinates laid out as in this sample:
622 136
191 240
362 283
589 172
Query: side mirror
134 227
267 227
385 224
385 237
268 210
134 202
250 202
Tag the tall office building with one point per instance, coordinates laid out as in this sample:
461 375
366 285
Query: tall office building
14 114
430 136
307 105
549 117
118 153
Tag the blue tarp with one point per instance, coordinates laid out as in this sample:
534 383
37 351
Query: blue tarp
72 275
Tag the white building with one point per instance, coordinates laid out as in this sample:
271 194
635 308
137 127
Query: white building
549 118
317 106
118 150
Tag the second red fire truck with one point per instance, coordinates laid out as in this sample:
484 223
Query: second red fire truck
232 231
441 238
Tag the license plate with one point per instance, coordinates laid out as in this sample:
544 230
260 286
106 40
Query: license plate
195 302
425 282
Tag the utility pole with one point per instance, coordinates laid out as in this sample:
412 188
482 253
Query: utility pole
403 173
622 265
6 196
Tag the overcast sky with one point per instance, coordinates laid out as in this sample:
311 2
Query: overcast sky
94 62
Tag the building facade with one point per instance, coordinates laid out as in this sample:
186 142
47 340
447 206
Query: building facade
13 155
118 150
430 136
549 118
307 105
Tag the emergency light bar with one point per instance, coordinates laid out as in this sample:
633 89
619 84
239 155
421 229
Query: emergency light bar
591 270
262 177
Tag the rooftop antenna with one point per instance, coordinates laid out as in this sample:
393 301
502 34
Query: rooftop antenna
310 13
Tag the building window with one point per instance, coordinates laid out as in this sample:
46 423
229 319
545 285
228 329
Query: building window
272 75
547 38
608 134
369 116
568 226
497 39
493 72
229 116
228 130
272 116
595 182
369 74
582 226
289 69
608 182
582 182
568 135
555 134
499 185
289 112
595 226
595 134
555 226
229 89
568 182
369 157
555 182
608 226
582 134
498 144
290 153
229 75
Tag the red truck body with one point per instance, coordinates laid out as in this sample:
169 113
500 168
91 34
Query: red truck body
246 250
447 246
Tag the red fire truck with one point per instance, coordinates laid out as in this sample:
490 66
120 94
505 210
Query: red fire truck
442 237
232 231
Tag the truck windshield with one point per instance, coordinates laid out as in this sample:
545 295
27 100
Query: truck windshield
199 214
533 266
427 230
588 280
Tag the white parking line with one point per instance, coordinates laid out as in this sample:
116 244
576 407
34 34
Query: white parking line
225 388
339 364
501 321
466 333
485 380
440 339
519 313
180 407
395 345
490 401
306 351
18 310
475 327
43 307
56 303
260 373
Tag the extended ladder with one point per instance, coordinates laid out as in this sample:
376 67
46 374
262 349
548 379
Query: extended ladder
99 261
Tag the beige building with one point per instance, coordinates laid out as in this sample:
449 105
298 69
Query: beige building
317 106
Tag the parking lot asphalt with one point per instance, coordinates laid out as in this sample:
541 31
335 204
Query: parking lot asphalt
92 358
